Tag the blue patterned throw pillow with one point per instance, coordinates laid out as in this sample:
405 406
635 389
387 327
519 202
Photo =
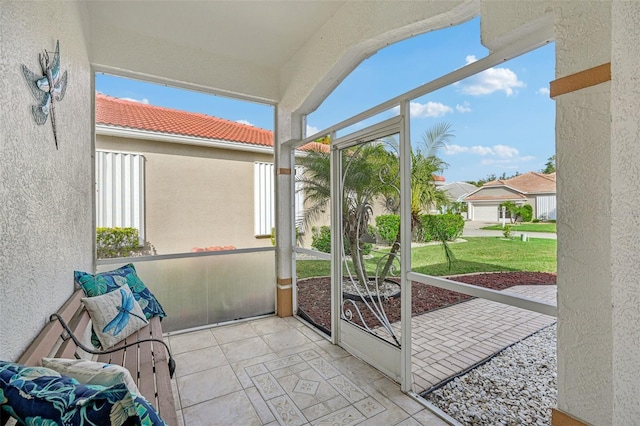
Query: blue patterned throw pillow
34 397
114 315
105 282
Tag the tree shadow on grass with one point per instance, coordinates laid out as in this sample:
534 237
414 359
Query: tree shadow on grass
459 267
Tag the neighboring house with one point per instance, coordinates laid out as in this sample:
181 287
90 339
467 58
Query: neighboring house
185 180
457 191
536 189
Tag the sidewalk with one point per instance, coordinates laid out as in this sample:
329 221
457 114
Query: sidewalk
472 229
447 341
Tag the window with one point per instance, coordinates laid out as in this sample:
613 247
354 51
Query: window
264 199
120 190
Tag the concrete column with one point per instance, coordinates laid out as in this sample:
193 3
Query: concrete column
586 249
625 218
288 126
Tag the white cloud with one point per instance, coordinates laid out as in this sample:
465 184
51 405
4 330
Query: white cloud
453 149
543 91
248 123
504 151
311 130
482 150
490 81
508 163
500 151
430 109
498 155
143 101
465 107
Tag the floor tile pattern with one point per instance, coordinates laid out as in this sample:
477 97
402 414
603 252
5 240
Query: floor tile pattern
275 371
270 372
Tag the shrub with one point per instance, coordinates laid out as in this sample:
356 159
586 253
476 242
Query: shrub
507 231
552 221
526 212
120 242
449 226
535 220
388 225
321 240
273 236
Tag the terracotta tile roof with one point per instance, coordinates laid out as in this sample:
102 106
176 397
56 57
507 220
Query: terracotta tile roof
116 112
126 114
530 183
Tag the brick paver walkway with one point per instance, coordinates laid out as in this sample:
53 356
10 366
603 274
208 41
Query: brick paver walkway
448 341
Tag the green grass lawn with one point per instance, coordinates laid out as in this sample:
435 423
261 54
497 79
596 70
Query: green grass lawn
478 254
525 227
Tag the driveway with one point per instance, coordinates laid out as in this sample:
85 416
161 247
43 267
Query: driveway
472 229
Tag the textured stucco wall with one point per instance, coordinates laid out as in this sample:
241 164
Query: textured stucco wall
195 196
506 22
492 192
583 152
625 199
45 195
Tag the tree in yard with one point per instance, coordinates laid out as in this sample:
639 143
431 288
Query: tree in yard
522 212
481 182
371 173
362 184
550 165
512 208
424 165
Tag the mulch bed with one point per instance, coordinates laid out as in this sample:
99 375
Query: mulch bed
314 295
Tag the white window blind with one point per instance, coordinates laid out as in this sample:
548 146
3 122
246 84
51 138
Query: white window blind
546 207
299 201
264 198
264 206
120 190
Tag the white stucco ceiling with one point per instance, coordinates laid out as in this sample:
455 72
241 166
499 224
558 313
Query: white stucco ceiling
270 51
265 33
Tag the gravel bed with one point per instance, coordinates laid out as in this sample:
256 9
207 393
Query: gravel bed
516 387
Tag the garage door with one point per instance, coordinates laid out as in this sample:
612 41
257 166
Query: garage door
485 213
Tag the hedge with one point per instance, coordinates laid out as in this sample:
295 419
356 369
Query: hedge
116 242
431 226
321 240
388 225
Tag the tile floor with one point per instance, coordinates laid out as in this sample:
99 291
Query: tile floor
281 372
275 371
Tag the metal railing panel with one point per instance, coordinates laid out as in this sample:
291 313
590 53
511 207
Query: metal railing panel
485 293
202 290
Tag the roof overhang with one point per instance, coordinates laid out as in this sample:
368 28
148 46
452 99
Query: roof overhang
278 52
122 132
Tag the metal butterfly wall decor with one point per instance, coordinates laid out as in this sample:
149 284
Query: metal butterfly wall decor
48 88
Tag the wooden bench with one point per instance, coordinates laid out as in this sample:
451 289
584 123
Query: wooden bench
146 361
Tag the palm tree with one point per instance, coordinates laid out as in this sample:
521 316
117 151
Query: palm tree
425 164
363 182
361 185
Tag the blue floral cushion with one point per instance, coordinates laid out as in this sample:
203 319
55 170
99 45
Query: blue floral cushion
106 282
34 397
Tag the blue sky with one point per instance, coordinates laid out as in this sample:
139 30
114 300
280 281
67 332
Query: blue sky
503 119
